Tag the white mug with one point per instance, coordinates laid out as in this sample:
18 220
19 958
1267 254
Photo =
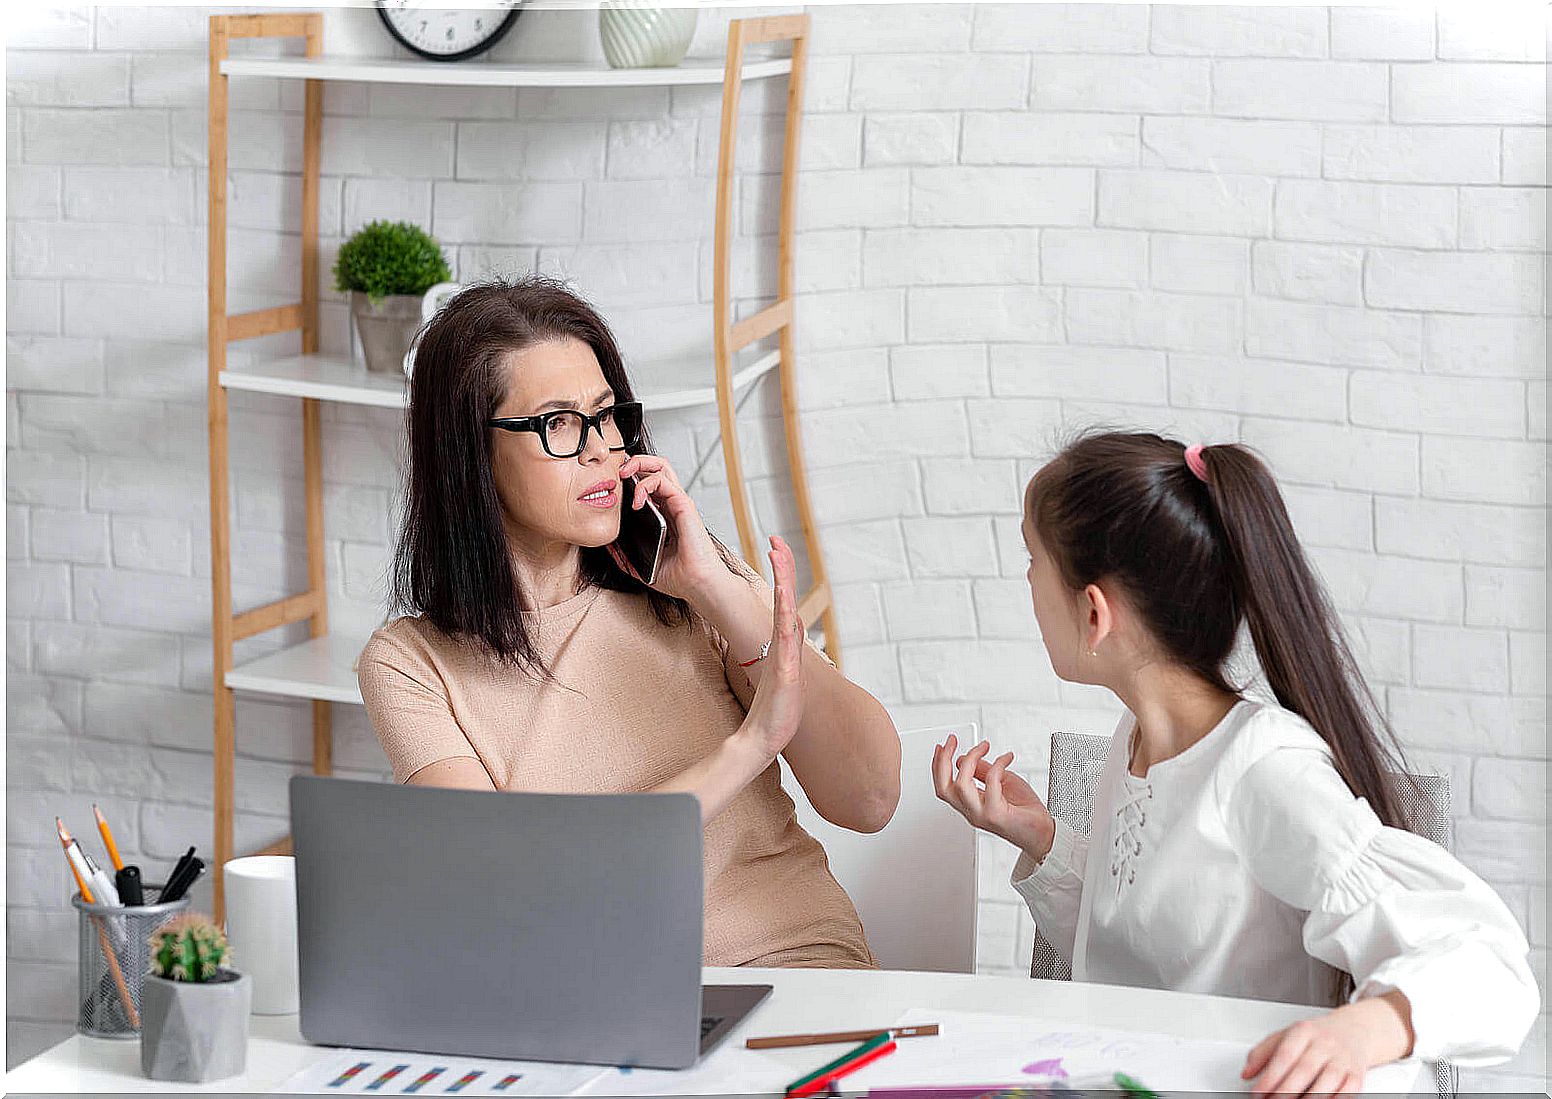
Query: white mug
261 928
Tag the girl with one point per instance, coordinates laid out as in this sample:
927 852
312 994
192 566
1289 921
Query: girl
1238 848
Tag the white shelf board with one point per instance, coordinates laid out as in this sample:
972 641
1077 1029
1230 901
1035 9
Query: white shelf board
319 668
485 74
322 377
323 668
659 385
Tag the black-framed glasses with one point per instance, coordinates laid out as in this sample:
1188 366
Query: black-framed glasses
563 432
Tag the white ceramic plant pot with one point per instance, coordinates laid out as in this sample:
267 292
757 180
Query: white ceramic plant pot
194 1032
640 35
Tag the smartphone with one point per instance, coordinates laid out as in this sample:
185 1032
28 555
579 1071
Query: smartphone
643 533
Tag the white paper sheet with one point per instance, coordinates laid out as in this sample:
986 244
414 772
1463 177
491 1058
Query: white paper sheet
384 1073
730 1069
1010 1051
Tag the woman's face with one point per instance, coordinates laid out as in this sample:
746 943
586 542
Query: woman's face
549 500
1058 609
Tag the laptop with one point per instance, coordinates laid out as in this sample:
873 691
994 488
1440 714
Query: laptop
537 927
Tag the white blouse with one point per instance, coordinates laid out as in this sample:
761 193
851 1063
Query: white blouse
1244 866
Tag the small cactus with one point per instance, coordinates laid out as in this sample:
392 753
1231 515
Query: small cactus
188 948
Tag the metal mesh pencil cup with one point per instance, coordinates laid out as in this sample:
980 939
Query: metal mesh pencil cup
110 985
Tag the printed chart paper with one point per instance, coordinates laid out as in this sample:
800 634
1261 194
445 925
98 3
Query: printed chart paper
378 1072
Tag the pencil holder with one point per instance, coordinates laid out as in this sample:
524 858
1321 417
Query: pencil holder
114 959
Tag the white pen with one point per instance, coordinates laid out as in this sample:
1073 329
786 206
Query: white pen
102 885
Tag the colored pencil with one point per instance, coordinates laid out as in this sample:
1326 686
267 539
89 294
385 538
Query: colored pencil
814 1087
785 1041
850 1055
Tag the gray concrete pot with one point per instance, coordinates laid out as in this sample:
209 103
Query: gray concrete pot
194 1032
385 328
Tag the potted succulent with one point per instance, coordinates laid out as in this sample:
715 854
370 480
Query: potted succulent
194 1010
387 266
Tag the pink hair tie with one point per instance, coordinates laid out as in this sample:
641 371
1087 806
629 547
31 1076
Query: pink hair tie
1194 460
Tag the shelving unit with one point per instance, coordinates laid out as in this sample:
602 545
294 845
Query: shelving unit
320 669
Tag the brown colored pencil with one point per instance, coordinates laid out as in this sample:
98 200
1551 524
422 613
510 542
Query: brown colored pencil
783 1041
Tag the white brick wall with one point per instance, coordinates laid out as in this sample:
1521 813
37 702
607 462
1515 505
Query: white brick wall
1316 230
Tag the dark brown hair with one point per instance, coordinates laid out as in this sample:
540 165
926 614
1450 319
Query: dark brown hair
1198 558
452 563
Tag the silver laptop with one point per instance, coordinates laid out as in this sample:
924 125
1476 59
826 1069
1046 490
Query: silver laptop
545 927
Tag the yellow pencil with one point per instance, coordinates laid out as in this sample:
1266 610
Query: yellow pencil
107 838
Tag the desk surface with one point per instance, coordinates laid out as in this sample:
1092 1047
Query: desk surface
805 1000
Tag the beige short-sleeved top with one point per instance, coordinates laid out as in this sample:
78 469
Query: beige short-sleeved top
632 703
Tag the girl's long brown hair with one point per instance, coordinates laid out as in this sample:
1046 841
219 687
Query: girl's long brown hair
1198 558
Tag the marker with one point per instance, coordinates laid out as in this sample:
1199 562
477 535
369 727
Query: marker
127 882
1133 1088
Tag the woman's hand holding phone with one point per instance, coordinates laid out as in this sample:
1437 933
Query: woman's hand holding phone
1002 804
689 556
777 709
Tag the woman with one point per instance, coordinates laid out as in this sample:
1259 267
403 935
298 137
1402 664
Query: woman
531 658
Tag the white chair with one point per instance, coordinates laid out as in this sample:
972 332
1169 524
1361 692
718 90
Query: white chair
914 882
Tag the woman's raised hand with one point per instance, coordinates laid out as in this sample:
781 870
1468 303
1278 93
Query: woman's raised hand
991 797
689 555
777 708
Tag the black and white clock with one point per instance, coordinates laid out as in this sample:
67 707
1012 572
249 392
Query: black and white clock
447 34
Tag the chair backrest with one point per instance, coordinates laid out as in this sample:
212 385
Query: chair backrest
914 882
1426 802
1077 761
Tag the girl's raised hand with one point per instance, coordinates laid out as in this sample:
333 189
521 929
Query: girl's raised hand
991 797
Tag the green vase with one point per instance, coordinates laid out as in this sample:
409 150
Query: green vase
638 35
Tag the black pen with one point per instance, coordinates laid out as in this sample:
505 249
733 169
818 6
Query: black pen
177 887
177 872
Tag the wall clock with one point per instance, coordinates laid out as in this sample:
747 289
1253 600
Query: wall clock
447 34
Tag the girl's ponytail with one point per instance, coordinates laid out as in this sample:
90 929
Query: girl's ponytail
1201 542
1298 639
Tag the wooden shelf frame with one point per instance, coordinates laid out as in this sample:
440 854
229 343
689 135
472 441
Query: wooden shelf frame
317 668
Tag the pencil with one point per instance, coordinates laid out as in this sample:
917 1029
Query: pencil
107 838
815 1086
784 1041
108 953
824 1071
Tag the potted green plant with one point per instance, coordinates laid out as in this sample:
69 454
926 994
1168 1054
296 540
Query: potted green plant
387 266
194 1009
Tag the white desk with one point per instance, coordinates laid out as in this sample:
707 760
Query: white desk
804 1000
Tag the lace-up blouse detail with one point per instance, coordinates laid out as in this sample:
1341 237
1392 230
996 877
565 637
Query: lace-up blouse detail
1131 819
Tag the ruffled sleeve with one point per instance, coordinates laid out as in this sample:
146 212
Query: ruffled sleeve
1395 910
1053 887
